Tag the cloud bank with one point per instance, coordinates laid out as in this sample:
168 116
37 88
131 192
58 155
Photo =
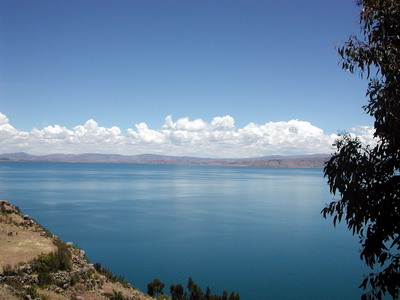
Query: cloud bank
219 138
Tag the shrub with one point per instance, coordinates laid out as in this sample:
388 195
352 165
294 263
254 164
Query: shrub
32 291
74 279
53 262
117 296
45 279
155 287
8 270
195 293
110 276
13 283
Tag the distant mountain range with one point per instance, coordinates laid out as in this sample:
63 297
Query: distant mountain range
301 161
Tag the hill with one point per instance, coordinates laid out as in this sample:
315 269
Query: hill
35 264
301 161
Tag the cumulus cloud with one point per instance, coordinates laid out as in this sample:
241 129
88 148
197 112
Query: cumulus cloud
3 119
218 138
365 134
145 135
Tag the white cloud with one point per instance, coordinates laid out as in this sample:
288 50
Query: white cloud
185 124
219 138
10 138
145 135
55 132
3 119
91 133
223 123
365 133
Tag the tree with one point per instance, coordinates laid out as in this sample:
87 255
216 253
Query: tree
155 287
207 296
195 292
367 178
177 291
234 296
224 295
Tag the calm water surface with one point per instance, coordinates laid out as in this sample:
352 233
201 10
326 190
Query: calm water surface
257 231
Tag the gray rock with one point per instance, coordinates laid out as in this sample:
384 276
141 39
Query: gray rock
27 268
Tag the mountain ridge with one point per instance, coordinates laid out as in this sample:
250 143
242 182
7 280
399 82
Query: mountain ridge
295 161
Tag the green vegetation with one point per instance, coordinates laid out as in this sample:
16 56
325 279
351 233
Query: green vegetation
54 262
367 178
9 270
110 276
117 296
45 279
193 292
33 293
155 287
177 291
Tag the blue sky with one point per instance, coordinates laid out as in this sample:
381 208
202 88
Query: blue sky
122 63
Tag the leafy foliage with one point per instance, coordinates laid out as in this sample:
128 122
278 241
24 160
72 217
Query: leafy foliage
53 262
110 275
194 290
8 270
45 279
195 293
177 291
117 295
34 294
155 287
367 178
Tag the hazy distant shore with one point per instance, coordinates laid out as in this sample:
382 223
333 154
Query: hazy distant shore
300 161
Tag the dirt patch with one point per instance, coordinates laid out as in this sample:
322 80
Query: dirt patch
7 292
19 244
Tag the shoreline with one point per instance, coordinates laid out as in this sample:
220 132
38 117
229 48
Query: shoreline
302 161
36 264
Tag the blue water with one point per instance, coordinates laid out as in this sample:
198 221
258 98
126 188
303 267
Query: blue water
257 231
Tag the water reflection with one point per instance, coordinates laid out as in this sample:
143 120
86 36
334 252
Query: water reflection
227 227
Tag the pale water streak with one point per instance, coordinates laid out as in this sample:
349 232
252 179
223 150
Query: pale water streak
257 231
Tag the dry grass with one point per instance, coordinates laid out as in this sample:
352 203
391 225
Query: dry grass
21 244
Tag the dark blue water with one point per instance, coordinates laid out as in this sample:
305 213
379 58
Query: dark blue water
257 231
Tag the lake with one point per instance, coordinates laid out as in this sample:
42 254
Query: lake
257 231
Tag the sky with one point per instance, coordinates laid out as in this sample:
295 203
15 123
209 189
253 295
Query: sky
207 78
